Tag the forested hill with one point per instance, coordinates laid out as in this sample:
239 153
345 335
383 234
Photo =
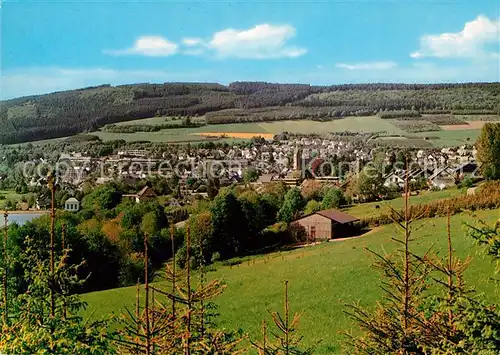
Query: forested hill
70 112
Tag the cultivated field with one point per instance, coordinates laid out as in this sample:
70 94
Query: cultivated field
461 127
488 118
323 279
246 130
394 132
437 139
367 124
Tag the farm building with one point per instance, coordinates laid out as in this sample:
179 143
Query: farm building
470 169
146 194
443 178
327 224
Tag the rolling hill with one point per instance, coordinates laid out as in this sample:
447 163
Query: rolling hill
66 113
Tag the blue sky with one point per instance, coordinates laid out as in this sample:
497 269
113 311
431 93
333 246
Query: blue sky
56 45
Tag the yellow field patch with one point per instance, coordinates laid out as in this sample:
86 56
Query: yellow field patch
460 127
235 135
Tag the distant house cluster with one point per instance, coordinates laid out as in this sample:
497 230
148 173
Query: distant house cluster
440 177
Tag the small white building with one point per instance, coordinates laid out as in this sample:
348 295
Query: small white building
72 205
394 179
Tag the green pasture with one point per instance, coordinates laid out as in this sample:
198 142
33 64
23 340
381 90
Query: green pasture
364 210
352 124
11 195
366 124
322 279
158 121
450 138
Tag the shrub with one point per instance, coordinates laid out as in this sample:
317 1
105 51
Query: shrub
9 204
195 257
334 198
231 262
275 234
312 206
215 257
467 182
297 233
132 270
398 114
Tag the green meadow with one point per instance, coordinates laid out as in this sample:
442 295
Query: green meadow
13 196
322 280
364 210
450 138
367 124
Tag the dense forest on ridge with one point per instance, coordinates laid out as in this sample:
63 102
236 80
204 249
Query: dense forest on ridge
67 113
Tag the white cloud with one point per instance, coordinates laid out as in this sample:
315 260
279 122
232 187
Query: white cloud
470 42
152 46
368 65
263 41
192 41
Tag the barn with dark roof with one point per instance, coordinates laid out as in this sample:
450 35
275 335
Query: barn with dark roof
328 224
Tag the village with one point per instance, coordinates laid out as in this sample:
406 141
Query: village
295 161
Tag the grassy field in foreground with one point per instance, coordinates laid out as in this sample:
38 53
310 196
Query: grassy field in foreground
368 209
323 278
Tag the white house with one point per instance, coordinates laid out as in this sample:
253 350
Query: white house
72 205
394 179
442 178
